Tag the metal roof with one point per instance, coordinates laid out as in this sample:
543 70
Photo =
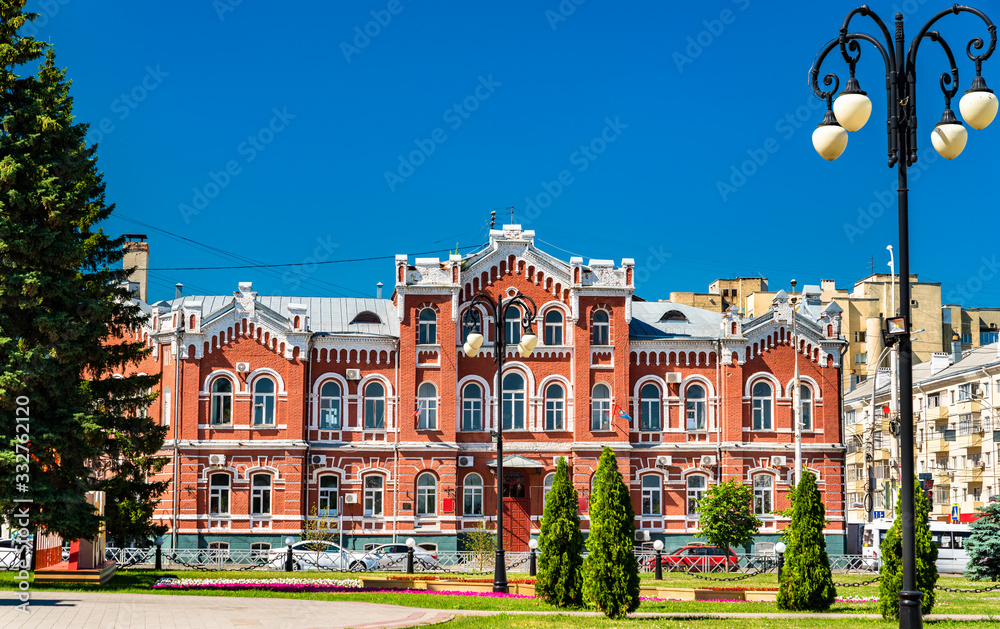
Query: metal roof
330 315
647 326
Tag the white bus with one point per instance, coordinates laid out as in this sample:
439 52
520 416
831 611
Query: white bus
950 540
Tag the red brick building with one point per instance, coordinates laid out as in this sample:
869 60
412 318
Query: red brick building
368 410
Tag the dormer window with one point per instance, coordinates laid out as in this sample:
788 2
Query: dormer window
673 315
366 316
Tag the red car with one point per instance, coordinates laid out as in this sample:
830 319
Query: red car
695 558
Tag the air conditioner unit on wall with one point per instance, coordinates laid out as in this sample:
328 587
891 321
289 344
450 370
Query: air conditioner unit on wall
708 459
674 377
778 461
318 459
555 460
642 536
465 461
242 367
353 374
216 459
664 461
351 499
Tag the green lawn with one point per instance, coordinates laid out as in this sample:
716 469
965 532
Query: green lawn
141 582
503 621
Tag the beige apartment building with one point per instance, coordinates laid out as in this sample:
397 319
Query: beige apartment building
956 434
865 306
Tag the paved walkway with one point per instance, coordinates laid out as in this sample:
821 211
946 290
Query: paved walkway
79 610
85 610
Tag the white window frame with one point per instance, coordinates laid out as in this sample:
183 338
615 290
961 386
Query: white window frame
374 407
515 400
600 409
219 493
330 405
221 404
373 495
554 328
650 408
426 487
695 408
427 327
600 330
762 405
694 494
264 402
472 408
260 495
427 419
472 495
329 495
555 408
652 494
763 495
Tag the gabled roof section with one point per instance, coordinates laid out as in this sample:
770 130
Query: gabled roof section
512 240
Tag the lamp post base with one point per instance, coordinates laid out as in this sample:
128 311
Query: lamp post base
909 610
500 573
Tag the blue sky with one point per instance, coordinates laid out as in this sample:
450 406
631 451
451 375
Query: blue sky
346 130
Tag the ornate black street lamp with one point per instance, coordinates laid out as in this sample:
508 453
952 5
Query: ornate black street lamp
850 111
473 320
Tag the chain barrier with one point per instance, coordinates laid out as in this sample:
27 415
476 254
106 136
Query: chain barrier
977 591
857 585
739 578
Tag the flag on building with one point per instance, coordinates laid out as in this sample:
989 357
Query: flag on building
621 413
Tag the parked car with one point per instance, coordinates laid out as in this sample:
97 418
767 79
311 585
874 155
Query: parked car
695 558
312 555
393 557
10 554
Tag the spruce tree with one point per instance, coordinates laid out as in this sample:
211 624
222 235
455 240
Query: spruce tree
560 575
891 556
983 545
806 580
611 573
66 320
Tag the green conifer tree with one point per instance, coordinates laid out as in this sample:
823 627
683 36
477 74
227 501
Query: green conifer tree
983 545
611 573
65 315
806 580
891 557
560 575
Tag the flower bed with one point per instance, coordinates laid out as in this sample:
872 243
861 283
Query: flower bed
444 577
334 586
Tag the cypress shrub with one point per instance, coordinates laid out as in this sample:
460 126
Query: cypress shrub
560 565
611 573
806 580
891 554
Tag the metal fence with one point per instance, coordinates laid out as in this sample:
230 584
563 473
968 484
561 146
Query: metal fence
447 561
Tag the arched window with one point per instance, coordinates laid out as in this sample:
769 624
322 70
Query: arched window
513 401
601 328
651 487
546 488
512 325
218 494
473 494
806 404
427 405
553 327
373 495
649 407
472 407
427 327
263 402
329 406
555 407
329 495
426 494
600 408
695 489
695 407
763 494
375 406
762 405
222 401
260 494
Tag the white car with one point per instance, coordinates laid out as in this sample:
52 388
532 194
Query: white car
313 555
10 554
393 557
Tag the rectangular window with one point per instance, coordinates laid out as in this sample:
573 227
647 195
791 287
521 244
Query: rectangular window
987 338
373 496
861 359
218 495
375 414
859 337
967 339
260 496
850 417
934 400
946 316
601 415
555 414
328 496
472 414
878 439
259 550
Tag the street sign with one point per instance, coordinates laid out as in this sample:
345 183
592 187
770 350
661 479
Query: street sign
925 476
955 514
878 515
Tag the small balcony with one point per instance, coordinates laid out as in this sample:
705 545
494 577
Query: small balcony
966 406
938 412
971 440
